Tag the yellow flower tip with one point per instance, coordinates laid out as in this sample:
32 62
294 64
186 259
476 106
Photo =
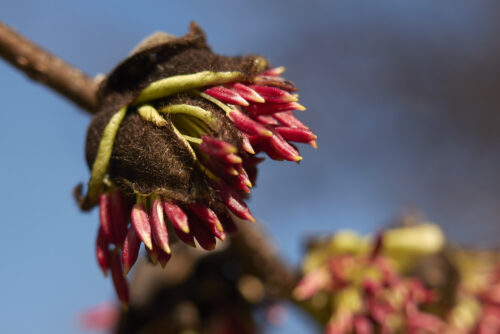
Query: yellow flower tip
248 184
167 249
251 219
280 70
185 229
300 107
314 144
149 244
267 133
249 149
297 158
218 225
259 99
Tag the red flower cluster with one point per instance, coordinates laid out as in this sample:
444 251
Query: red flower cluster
262 114
486 295
369 296
269 123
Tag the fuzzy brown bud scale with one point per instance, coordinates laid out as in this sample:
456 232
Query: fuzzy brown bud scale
172 146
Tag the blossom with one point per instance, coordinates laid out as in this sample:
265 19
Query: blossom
476 309
172 148
363 290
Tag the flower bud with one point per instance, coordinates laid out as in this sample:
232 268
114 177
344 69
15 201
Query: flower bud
170 143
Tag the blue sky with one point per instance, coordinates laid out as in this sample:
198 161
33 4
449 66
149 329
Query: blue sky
381 151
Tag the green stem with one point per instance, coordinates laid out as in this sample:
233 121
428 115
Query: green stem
194 111
181 83
192 139
100 166
150 114
215 101
184 141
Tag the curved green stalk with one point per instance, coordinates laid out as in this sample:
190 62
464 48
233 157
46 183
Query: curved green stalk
100 166
215 101
150 114
192 139
180 83
207 172
194 111
186 143
188 126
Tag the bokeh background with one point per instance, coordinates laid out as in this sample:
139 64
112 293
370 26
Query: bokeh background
404 97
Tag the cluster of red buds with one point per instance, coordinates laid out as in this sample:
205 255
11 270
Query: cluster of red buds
268 121
368 295
172 149
489 296
476 309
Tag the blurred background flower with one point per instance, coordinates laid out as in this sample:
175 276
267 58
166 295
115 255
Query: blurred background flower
365 285
403 98
405 280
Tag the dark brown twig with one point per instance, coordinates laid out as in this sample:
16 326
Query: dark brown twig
40 65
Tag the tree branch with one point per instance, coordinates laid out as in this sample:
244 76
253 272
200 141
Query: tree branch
258 253
254 248
40 65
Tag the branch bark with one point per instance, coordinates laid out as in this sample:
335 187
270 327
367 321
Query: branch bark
42 66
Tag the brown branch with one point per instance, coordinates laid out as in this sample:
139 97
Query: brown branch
258 253
256 250
190 269
40 65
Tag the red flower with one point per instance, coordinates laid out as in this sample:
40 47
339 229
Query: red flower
368 295
177 159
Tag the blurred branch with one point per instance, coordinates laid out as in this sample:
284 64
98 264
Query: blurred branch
42 66
259 255
257 252
198 286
